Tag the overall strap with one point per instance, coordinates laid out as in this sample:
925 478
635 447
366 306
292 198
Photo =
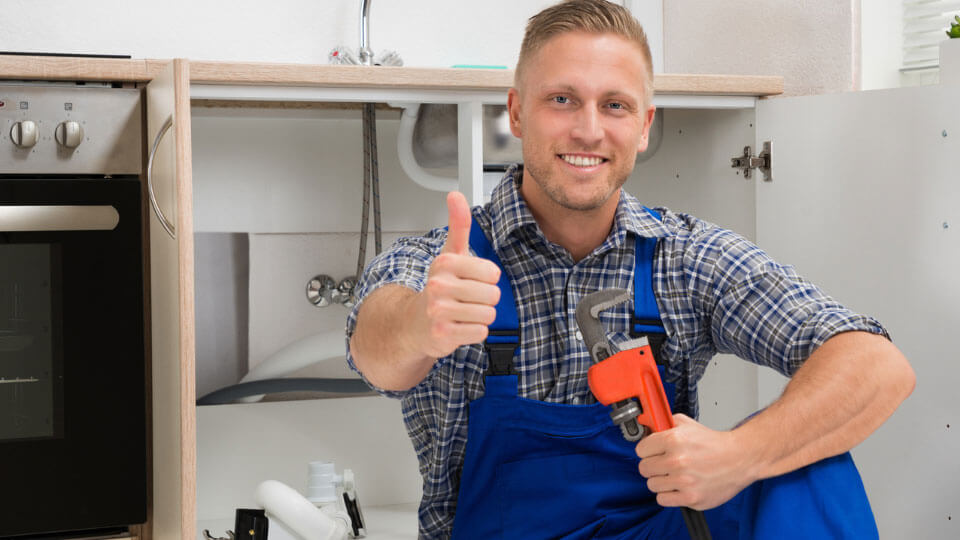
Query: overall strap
504 337
646 314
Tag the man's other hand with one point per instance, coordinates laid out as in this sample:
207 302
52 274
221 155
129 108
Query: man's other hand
694 466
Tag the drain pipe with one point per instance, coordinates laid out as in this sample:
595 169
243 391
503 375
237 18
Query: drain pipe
424 179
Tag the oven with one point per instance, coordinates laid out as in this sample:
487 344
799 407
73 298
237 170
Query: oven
73 436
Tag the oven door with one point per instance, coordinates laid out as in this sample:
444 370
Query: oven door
72 386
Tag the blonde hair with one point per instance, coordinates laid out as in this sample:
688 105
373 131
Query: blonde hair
591 16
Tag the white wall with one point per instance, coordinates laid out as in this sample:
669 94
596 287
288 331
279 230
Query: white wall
881 40
435 33
812 44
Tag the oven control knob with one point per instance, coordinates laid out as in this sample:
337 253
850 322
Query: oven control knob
24 133
69 134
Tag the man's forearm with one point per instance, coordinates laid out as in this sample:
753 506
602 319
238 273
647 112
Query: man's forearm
381 345
846 389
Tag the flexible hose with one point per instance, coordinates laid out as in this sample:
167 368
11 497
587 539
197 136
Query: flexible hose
375 176
371 184
365 213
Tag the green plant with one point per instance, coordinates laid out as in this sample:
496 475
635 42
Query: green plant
954 31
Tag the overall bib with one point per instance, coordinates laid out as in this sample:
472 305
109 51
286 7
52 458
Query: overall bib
544 470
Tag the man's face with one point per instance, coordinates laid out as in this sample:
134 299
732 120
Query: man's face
580 112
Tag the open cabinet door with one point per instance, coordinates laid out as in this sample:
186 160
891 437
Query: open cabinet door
172 313
865 202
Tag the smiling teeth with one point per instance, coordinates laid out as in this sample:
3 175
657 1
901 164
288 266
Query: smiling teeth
581 161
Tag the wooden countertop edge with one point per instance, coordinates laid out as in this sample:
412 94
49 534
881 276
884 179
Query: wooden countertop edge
250 73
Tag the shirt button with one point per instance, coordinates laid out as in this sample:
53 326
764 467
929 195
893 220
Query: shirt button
579 335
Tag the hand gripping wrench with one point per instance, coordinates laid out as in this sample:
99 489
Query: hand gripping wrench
629 382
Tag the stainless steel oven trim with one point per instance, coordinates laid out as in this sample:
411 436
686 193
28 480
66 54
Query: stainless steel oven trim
35 218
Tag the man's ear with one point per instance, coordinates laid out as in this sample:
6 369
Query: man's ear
647 122
513 109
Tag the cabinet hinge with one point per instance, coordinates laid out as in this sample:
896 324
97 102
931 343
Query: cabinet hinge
748 162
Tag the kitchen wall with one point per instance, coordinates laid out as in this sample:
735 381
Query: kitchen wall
424 32
814 44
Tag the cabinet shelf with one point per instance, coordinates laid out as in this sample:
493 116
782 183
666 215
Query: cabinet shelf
250 83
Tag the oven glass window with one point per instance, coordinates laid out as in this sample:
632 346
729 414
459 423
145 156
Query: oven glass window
31 385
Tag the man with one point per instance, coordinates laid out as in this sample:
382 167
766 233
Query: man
524 451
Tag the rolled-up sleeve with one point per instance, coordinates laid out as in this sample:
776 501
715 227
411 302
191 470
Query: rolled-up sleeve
406 263
759 309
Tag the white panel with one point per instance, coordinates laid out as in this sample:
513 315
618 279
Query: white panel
691 173
300 171
239 446
280 267
865 203
470 151
650 15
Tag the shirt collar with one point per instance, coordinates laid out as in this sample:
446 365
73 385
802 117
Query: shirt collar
509 213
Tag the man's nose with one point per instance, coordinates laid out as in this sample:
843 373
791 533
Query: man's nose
588 126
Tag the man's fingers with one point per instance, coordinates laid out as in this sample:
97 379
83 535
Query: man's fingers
455 313
465 267
458 224
652 445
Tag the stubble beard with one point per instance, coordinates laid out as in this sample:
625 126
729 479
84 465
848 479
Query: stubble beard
555 192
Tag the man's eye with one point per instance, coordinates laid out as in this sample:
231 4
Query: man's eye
561 99
615 105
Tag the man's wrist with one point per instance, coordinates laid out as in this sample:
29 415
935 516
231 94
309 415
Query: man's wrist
757 450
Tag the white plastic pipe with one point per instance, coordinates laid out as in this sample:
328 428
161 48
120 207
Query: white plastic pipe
424 179
285 505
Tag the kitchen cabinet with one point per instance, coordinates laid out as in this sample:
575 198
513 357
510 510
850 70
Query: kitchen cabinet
169 88
860 201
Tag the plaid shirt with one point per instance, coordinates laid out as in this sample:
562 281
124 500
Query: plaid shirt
717 293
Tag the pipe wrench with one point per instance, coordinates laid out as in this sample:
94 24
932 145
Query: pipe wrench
629 381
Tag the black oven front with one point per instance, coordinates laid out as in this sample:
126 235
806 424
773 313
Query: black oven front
73 437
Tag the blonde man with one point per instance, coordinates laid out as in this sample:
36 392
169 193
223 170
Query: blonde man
511 442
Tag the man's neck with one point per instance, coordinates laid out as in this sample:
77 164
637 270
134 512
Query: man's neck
578 231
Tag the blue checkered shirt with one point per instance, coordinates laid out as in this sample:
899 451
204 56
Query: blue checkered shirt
717 293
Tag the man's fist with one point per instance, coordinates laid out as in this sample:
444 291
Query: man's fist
458 302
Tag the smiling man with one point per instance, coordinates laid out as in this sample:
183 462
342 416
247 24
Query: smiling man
473 327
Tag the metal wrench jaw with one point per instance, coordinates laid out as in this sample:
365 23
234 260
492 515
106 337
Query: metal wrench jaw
588 320
595 337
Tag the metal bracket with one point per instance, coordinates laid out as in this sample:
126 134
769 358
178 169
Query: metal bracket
748 162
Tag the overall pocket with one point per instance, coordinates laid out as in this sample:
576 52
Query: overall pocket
566 495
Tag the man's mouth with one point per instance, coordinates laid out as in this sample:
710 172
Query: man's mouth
582 161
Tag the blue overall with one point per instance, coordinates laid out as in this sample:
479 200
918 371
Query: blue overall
544 470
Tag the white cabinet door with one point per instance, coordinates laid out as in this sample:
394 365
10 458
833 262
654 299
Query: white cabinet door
865 202
171 297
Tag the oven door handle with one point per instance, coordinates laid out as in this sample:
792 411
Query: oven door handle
38 218
167 225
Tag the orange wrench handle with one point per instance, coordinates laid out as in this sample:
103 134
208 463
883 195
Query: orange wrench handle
633 374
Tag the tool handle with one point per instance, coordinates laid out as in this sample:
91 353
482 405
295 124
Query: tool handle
633 374
696 524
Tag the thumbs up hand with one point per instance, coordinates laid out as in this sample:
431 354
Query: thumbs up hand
458 302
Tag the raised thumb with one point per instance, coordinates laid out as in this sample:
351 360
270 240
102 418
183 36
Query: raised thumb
458 224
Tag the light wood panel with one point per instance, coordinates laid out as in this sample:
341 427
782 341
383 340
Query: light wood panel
242 73
172 309
51 68
188 370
